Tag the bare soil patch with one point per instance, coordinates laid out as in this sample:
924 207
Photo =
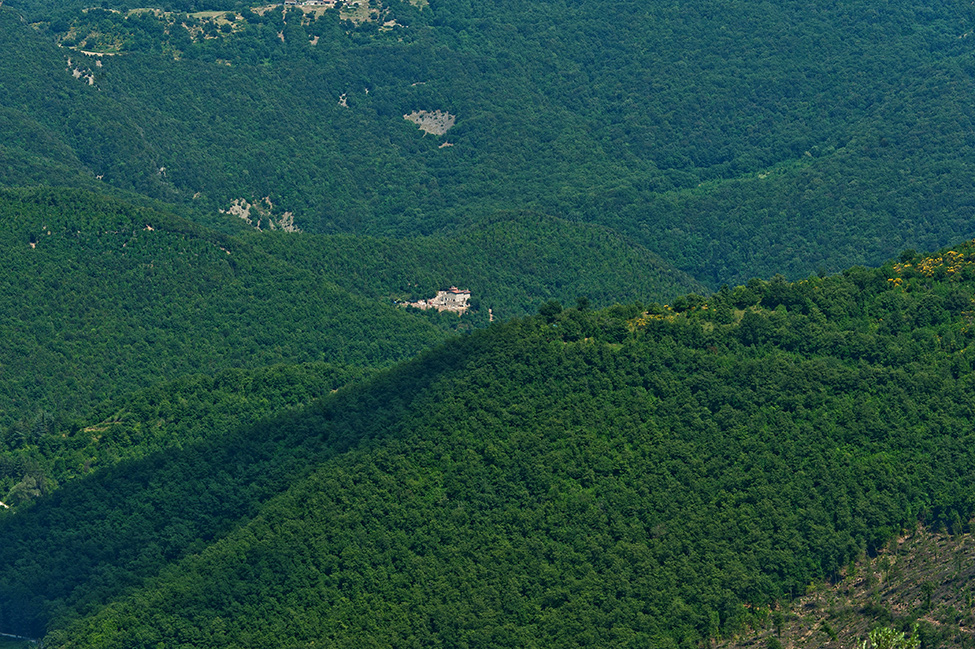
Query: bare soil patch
923 576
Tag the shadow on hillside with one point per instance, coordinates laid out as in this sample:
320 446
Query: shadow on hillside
99 537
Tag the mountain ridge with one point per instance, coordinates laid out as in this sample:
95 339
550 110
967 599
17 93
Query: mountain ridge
626 476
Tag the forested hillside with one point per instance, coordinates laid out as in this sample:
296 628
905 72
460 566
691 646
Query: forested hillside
219 429
732 140
635 476
512 262
104 299
101 298
41 452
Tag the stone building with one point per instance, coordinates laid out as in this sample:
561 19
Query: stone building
456 300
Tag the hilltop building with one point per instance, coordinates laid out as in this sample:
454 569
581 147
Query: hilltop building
456 300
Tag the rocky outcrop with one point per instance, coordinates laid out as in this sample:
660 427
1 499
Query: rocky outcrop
436 122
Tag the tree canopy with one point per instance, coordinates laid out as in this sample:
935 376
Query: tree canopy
642 474
732 140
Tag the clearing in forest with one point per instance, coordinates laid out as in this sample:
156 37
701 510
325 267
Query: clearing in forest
436 122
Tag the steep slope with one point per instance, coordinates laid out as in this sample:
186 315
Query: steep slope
629 477
922 576
107 533
59 130
132 534
40 453
100 298
732 140
512 263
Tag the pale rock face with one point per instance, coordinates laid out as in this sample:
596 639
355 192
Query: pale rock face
436 122
260 215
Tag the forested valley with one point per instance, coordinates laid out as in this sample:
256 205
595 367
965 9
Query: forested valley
733 140
715 362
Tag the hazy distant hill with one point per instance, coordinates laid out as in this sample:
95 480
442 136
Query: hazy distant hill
730 140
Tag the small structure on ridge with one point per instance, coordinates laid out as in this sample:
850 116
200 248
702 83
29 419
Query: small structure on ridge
453 299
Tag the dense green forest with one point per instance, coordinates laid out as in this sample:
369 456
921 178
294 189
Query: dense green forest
732 140
512 262
101 297
219 428
40 452
639 475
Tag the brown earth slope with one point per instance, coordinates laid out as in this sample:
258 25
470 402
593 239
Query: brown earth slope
925 577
